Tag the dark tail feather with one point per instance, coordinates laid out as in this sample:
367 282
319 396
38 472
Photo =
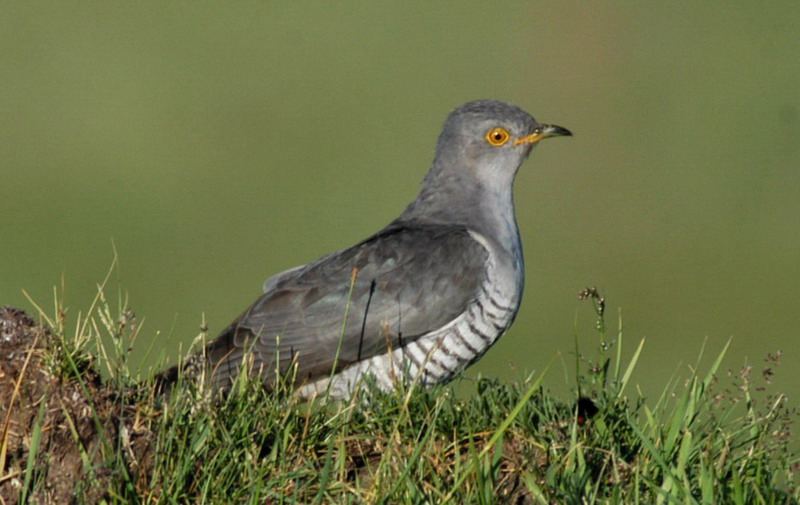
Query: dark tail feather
165 380
221 360
216 357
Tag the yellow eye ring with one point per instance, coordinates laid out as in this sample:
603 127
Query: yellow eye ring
497 136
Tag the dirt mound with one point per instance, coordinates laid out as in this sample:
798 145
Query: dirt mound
69 424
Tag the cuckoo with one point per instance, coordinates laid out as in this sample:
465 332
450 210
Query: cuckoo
421 299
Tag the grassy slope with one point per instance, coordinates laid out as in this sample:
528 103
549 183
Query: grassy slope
707 439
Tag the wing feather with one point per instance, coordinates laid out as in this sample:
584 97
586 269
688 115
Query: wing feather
410 279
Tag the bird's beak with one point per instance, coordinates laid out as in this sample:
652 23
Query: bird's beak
542 132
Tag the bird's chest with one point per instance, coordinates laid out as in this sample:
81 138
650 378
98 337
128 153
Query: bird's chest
504 279
442 354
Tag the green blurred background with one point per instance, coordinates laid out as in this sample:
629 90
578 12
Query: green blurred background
219 144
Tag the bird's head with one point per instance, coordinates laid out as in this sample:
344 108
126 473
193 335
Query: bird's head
489 140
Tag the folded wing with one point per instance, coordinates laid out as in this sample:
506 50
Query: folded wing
390 289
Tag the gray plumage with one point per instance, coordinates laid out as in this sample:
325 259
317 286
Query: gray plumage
424 297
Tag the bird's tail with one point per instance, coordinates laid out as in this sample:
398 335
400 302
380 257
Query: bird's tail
214 362
165 380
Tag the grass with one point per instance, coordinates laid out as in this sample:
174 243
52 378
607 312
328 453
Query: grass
709 438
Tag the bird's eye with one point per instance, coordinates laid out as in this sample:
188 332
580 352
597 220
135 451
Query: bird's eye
497 136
